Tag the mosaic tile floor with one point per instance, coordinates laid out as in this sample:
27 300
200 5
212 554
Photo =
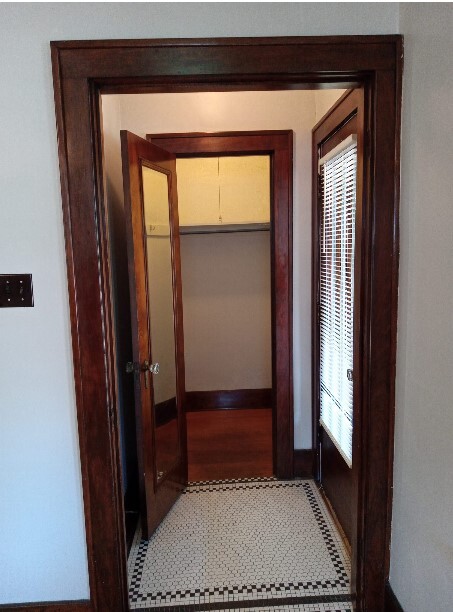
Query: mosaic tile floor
254 545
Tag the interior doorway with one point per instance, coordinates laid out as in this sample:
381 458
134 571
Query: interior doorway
81 72
225 184
231 237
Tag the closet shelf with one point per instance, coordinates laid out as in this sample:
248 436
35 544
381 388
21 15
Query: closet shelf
224 228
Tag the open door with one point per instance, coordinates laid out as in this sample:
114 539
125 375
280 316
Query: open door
150 198
337 238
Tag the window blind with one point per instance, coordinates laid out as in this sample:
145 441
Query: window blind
338 173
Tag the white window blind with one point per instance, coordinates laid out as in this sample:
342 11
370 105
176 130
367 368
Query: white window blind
338 171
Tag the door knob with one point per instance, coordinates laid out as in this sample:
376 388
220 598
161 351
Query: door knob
154 368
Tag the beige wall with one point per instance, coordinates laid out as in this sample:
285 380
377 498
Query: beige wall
227 310
324 99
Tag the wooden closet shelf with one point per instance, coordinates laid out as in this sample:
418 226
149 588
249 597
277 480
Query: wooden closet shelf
224 228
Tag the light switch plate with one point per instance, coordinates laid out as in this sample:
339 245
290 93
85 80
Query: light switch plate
16 290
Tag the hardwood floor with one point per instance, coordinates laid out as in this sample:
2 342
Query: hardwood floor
226 444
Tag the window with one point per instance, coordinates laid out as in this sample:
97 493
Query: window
338 172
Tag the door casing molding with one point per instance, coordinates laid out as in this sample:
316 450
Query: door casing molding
82 70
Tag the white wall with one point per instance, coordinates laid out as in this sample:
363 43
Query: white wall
422 532
43 542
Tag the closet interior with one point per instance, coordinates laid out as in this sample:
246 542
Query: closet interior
224 221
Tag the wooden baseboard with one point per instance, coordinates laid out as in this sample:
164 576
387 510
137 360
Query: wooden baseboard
82 605
165 411
391 602
228 400
304 463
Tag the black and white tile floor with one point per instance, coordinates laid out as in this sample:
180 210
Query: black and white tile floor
257 545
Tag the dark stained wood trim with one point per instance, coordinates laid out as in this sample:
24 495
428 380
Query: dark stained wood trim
51 606
228 400
165 411
81 69
335 520
304 463
92 338
391 601
238 41
279 145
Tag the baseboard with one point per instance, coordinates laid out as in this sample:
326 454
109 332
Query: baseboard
228 400
391 602
165 411
304 462
82 605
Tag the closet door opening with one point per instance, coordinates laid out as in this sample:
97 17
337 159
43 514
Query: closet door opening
238 393
226 280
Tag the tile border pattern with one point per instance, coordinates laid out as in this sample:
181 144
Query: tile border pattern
306 587
344 604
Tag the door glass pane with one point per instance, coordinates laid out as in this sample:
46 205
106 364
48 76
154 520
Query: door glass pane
161 317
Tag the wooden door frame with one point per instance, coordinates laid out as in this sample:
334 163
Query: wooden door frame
82 70
278 144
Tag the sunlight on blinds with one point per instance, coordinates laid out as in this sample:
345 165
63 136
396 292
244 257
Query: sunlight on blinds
336 293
